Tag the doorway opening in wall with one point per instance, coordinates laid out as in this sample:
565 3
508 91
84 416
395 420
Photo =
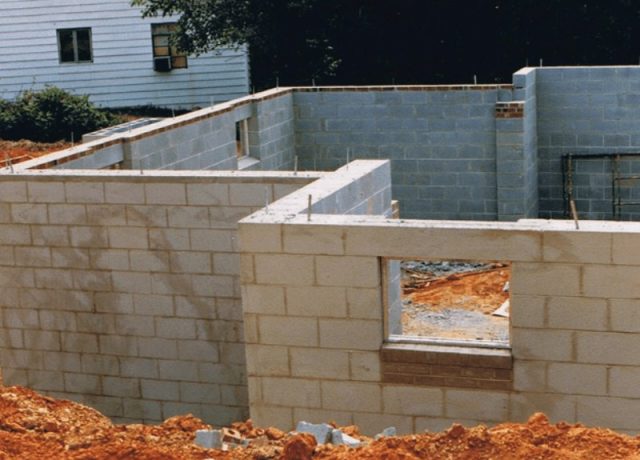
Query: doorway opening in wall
242 138
449 302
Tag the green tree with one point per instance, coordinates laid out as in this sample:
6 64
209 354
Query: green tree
288 41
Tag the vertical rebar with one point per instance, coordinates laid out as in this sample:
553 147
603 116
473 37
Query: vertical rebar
309 209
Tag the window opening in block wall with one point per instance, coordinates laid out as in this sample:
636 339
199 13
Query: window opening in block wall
242 138
440 301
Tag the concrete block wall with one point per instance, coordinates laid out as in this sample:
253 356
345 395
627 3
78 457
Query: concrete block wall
121 290
441 140
585 110
271 133
314 322
516 150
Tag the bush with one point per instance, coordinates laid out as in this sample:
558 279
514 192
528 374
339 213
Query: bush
51 115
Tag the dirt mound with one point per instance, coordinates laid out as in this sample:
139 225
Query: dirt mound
25 150
35 426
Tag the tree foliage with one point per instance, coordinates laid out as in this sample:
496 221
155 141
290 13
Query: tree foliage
406 41
50 115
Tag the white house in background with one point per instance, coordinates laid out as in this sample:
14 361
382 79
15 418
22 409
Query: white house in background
104 48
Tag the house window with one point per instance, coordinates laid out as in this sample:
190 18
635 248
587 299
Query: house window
75 45
166 56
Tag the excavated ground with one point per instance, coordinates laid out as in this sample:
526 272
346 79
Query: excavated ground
456 304
34 426
25 150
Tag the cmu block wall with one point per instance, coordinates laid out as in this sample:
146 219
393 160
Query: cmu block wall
441 142
314 323
121 290
200 140
516 150
271 133
585 110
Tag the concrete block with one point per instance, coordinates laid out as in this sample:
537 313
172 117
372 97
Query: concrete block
200 392
571 378
84 192
260 238
162 193
319 363
154 305
263 299
616 413
316 301
13 191
42 340
570 247
116 386
208 194
541 344
606 348
347 271
545 279
577 313
364 303
351 396
138 367
295 331
67 214
291 392
166 238
529 375
175 328
611 281
302 239
82 383
625 315
146 216
209 439
39 192
414 401
623 381
212 240
160 390
118 345
626 249
14 234
339 438
188 217
290 270
76 342
363 335
527 311
481 405
321 431
178 370
124 193
29 213
153 347
263 360
50 235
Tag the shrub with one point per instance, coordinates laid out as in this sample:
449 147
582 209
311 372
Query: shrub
51 115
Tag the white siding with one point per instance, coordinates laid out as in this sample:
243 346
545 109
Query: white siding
121 73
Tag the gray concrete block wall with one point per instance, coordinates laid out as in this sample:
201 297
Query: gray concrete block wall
205 144
272 134
516 149
121 290
442 144
584 110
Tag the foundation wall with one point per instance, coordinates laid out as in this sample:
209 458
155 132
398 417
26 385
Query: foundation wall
121 290
441 142
586 110
314 323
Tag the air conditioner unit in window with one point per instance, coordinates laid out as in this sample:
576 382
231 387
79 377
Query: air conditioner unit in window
162 64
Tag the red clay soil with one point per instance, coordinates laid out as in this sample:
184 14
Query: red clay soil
33 426
25 150
478 291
